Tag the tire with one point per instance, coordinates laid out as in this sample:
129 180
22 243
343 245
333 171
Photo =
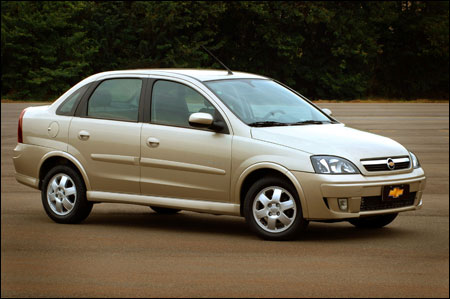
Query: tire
166 211
64 195
373 221
273 211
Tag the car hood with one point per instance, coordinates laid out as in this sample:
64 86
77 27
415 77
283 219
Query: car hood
331 139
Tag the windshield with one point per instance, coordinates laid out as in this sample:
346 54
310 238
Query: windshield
259 102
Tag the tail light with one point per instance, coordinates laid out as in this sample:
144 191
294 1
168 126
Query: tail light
19 127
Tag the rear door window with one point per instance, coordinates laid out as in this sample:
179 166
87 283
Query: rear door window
116 99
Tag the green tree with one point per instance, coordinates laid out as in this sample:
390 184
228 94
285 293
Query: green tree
414 58
44 49
326 50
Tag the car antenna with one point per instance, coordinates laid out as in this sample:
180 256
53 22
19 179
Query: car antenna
229 71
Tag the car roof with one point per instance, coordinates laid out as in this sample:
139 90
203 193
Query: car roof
199 74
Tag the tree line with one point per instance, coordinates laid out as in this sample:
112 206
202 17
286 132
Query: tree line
324 50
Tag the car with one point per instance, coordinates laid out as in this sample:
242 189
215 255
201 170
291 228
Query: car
211 141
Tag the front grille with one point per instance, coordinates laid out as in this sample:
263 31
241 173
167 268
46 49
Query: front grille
372 203
381 164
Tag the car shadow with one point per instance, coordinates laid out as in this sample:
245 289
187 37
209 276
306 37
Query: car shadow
180 222
235 226
344 231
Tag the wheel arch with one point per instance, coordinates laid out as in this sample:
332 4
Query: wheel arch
53 158
251 174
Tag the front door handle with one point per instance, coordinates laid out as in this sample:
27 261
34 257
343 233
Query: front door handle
152 142
83 135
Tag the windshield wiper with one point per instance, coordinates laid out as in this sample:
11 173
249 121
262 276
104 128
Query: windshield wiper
309 122
276 123
267 124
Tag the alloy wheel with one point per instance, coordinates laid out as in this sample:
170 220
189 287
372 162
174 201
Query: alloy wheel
274 209
61 194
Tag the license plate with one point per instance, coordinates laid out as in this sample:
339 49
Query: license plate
395 192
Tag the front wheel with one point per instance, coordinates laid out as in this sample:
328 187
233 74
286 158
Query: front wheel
373 221
272 209
64 195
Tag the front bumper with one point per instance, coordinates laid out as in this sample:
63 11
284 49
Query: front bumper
321 193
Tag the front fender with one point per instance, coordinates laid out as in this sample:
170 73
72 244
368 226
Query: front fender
279 168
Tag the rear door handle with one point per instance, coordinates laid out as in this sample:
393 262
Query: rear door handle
152 142
83 135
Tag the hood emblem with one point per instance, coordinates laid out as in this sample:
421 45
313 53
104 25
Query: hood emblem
390 164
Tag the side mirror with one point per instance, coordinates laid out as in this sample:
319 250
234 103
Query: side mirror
327 111
206 120
201 120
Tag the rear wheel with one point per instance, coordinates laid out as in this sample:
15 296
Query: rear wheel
64 195
373 221
272 209
161 210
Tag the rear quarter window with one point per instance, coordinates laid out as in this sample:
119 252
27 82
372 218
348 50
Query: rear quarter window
70 104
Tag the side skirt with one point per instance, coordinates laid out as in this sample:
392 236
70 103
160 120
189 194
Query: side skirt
166 202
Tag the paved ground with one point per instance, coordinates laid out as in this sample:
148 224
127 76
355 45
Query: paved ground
128 251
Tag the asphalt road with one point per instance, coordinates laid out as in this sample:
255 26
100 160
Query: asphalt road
129 251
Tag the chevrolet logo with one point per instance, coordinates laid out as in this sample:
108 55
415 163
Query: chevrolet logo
390 164
396 192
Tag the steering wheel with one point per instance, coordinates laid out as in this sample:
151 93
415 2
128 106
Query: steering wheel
272 113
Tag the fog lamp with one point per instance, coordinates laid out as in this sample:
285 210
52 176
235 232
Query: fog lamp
343 204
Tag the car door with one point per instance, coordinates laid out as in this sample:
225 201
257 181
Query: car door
105 137
178 160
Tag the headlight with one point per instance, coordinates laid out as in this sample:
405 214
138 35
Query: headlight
415 161
333 165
